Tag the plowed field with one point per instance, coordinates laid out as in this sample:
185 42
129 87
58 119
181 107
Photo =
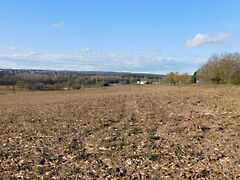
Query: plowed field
125 132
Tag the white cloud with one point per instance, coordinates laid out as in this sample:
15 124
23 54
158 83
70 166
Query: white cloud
86 49
8 64
28 55
9 47
202 39
59 25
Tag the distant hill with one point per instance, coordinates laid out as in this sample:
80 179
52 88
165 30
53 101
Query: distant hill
66 73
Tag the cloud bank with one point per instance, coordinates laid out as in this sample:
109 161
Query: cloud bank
202 39
104 62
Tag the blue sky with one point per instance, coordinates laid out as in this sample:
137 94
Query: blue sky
122 35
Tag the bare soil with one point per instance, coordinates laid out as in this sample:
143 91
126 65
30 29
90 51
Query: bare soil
124 132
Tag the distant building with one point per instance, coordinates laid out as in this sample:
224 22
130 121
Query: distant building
142 82
66 88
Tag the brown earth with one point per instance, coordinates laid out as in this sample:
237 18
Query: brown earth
126 132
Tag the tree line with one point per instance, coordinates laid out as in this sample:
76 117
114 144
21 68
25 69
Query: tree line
45 82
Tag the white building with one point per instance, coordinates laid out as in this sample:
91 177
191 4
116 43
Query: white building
142 82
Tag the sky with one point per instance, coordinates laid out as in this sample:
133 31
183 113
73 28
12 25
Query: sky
153 36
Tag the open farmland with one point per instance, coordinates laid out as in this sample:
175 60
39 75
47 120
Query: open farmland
124 132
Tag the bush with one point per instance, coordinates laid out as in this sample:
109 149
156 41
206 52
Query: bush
104 84
76 86
236 79
38 86
20 84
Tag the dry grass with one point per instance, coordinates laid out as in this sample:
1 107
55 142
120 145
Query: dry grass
141 132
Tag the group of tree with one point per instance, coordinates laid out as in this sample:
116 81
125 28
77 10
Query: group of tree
45 82
221 69
177 79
